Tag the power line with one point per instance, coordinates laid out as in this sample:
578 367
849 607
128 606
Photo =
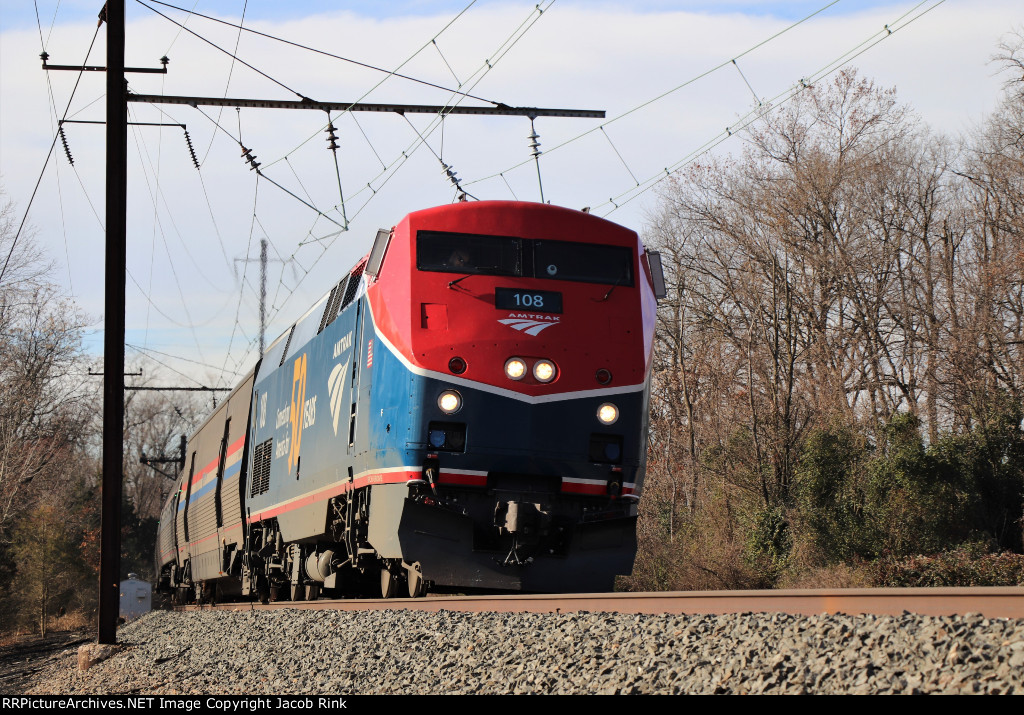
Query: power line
329 54
409 59
28 208
231 70
773 103
226 52
661 96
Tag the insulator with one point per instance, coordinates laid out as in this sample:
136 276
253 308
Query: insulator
191 150
452 177
247 153
331 136
64 141
44 55
534 144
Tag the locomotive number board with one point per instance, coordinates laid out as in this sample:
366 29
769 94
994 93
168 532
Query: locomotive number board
538 301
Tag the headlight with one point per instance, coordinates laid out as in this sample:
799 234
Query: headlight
450 401
544 371
515 368
457 365
607 413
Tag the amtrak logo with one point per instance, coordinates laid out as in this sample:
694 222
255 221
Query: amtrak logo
528 323
335 383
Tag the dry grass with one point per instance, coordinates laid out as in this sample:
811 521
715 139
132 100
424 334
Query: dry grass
73 622
839 576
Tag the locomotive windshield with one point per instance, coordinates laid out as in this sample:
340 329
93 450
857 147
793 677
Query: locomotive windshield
585 262
506 256
469 253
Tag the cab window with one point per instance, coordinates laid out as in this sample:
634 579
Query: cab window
586 262
468 253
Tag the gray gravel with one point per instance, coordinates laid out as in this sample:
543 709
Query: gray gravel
325 652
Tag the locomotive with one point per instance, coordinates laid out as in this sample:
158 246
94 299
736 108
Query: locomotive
465 409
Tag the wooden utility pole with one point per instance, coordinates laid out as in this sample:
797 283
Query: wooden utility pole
113 324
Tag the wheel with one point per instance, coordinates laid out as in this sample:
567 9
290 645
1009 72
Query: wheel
414 580
312 591
298 592
388 583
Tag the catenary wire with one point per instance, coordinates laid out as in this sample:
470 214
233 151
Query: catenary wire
666 93
221 49
331 55
28 208
775 102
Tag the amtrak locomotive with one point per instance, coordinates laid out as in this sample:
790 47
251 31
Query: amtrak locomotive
465 409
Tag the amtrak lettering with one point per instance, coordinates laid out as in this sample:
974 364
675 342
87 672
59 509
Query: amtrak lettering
530 323
342 345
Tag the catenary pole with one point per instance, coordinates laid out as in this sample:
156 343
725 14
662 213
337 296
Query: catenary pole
113 324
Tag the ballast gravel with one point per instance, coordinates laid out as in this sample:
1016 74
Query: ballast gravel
407 652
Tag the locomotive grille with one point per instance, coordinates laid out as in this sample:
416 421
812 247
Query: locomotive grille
287 344
261 468
353 286
333 305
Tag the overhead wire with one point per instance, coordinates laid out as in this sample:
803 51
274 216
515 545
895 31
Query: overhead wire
395 73
142 291
56 135
260 172
145 352
331 55
666 93
774 103
488 65
245 266
152 252
231 71
141 349
221 49
53 105
157 195
209 205
170 260
181 29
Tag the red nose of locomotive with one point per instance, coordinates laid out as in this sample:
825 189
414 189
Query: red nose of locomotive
547 304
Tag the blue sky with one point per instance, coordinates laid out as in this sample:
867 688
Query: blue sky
20 13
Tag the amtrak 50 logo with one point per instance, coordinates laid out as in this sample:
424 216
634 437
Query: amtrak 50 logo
302 412
529 323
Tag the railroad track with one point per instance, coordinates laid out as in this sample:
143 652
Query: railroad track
991 602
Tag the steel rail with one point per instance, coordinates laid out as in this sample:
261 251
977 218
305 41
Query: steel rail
990 602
